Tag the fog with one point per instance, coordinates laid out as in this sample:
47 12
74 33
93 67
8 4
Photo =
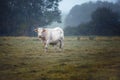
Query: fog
65 6
93 18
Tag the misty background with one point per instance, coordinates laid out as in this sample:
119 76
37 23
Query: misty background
76 17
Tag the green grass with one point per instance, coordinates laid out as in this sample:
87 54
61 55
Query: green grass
23 58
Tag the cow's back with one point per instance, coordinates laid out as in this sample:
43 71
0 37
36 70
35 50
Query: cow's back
56 34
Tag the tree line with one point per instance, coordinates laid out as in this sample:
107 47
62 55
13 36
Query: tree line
103 21
20 17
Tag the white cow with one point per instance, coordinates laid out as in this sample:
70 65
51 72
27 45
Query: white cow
52 36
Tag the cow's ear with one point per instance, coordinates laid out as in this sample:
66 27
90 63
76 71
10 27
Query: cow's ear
36 30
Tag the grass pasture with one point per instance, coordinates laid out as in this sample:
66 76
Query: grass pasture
23 58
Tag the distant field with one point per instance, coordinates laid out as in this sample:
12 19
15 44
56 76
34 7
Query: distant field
84 58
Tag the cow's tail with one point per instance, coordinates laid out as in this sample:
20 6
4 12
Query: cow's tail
62 34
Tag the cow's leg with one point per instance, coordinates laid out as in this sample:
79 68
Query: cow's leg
55 47
46 45
61 44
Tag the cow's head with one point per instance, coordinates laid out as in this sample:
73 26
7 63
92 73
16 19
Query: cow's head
40 32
